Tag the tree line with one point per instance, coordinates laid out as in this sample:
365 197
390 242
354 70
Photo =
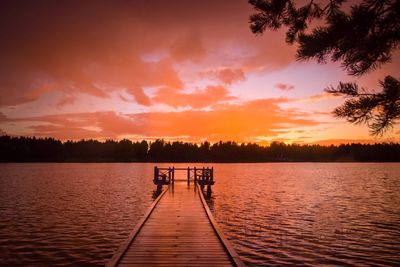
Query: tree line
32 149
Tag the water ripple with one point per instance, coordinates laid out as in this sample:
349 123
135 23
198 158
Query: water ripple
311 214
302 214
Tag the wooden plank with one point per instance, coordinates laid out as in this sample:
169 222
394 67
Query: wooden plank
177 232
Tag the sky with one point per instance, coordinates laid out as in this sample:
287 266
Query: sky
177 70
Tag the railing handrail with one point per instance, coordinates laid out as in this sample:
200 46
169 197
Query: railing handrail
203 176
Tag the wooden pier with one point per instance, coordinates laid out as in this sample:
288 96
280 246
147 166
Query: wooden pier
177 230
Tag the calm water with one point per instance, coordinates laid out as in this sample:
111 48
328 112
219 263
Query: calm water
274 214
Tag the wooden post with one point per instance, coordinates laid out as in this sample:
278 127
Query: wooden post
188 176
159 188
173 175
212 174
155 173
195 175
209 190
202 179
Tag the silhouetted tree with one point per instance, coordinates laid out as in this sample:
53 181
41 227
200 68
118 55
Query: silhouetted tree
378 110
362 40
27 149
140 150
156 151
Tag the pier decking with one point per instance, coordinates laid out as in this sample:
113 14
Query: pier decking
177 230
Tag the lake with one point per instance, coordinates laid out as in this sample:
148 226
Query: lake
275 214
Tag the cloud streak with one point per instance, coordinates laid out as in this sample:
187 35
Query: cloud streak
317 98
198 99
226 122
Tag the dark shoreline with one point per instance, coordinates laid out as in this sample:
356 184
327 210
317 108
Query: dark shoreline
32 149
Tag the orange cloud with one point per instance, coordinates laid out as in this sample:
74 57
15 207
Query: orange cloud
140 96
198 99
242 123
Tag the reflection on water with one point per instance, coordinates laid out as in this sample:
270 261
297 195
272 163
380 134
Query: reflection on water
69 214
311 214
274 214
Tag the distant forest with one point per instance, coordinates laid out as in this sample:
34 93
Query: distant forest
31 149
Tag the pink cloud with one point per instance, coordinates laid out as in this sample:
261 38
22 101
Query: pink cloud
316 98
3 117
284 86
66 100
226 75
198 99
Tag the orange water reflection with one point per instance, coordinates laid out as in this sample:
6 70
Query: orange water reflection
274 214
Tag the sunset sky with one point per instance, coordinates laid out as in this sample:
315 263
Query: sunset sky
178 70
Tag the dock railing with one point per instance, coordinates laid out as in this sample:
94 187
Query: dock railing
203 176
